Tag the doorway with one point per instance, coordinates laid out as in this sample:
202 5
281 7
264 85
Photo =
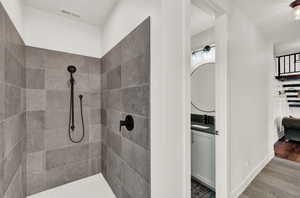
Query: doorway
208 82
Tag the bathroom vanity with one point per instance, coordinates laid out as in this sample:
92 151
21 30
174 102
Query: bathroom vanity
203 153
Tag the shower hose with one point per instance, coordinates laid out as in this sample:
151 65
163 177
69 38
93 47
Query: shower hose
71 115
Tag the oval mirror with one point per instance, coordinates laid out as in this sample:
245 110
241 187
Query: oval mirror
203 88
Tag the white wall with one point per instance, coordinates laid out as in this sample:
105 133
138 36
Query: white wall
54 32
206 37
168 57
250 59
198 41
15 10
125 17
284 48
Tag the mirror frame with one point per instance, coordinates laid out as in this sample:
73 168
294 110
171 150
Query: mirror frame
193 71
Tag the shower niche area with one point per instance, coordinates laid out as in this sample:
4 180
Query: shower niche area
52 134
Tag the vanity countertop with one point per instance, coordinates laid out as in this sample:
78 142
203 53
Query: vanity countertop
210 130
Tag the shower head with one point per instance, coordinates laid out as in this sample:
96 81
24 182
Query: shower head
72 69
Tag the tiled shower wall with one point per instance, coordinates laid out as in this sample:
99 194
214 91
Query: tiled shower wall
12 110
52 159
125 90
35 152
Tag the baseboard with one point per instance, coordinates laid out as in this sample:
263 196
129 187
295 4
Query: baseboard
242 187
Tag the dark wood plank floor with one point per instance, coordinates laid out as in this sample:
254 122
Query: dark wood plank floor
200 191
279 179
288 150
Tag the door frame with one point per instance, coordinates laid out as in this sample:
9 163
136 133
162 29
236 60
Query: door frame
222 103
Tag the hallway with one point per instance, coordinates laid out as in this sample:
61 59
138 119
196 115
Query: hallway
279 179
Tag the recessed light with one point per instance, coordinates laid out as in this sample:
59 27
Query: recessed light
296 9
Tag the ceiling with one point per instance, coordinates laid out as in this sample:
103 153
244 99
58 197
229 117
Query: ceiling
90 11
273 17
200 20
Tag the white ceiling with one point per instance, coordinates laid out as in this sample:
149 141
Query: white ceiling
200 20
90 11
273 17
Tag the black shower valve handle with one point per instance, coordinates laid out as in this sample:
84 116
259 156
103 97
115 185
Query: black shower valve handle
128 123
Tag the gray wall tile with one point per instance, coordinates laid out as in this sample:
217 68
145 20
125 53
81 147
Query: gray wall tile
134 184
56 119
36 162
11 164
94 65
60 61
125 89
56 79
1 178
114 141
95 133
12 109
77 171
14 71
94 150
114 98
14 131
35 78
140 134
95 116
2 43
60 157
55 177
14 42
114 78
15 189
94 166
113 120
35 99
34 57
94 83
83 83
136 100
2 101
2 59
35 140
12 100
136 43
36 182
136 71
94 100
137 157
104 81
1 144
58 138
57 100
112 59
35 120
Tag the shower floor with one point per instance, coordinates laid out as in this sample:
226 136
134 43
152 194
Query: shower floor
94 186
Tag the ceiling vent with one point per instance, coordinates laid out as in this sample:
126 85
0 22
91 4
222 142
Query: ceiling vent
72 14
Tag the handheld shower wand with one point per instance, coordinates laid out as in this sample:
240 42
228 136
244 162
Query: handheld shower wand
72 69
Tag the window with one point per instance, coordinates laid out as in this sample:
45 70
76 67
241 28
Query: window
202 56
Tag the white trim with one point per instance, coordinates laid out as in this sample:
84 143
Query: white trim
187 100
242 187
222 105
